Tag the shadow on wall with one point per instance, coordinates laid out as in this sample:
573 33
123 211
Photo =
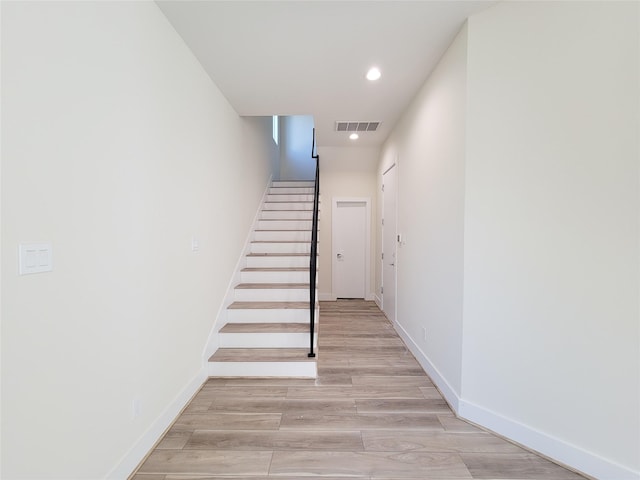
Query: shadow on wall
296 132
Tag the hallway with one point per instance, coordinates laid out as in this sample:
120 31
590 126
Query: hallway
372 413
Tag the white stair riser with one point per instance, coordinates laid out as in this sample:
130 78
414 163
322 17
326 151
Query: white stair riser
266 340
296 197
270 315
286 215
282 236
288 206
275 277
271 295
276 247
278 262
289 190
284 224
262 369
293 183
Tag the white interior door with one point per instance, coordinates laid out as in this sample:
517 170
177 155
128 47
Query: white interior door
389 242
349 248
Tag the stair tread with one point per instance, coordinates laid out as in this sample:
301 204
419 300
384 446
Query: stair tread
275 269
277 254
281 241
269 306
265 328
261 355
272 285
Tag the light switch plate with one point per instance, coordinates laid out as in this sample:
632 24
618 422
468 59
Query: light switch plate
35 258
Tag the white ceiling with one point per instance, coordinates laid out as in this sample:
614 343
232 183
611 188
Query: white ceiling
310 57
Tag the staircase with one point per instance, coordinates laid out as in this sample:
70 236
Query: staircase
267 328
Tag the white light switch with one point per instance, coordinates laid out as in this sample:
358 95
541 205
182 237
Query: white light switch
35 258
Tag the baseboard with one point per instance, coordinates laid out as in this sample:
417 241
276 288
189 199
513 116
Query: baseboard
555 449
370 297
146 442
378 301
439 381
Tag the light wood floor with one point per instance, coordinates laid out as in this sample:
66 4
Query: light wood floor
371 414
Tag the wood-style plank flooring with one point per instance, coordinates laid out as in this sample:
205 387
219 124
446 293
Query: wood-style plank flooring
372 413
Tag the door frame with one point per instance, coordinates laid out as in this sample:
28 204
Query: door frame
367 249
395 235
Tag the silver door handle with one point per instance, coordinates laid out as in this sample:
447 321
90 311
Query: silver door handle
339 255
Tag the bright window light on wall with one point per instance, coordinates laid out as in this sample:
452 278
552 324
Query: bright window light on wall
275 128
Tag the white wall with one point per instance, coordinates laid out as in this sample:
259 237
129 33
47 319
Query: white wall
551 327
428 144
536 172
117 148
344 172
296 138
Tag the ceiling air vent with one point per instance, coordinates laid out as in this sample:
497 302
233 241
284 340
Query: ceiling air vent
357 126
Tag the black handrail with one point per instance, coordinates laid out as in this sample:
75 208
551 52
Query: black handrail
314 246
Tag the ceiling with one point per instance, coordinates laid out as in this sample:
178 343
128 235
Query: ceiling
311 57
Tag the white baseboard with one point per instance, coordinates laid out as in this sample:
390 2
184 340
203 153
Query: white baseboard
543 443
146 442
378 301
439 381
370 297
554 448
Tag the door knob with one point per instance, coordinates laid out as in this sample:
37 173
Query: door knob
339 255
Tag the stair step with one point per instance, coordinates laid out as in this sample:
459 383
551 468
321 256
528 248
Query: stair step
270 312
275 275
278 260
286 215
284 224
291 189
262 362
269 305
266 246
281 292
266 335
301 206
293 183
265 328
282 235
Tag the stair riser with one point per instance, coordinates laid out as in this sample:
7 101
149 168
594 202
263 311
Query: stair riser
271 295
284 224
293 183
290 190
308 206
266 340
275 277
282 236
296 197
283 214
298 247
277 262
262 369
270 315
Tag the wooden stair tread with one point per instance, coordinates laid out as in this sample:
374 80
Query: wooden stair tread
269 306
273 286
265 328
261 355
278 254
276 269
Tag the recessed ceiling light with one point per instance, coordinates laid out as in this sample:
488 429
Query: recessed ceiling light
373 74
353 136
